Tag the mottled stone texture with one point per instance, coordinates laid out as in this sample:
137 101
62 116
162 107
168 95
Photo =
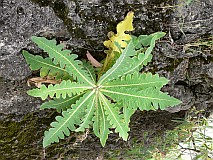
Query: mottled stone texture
83 25
20 20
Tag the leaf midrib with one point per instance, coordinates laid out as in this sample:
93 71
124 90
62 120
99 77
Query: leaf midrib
59 89
112 113
136 96
129 85
59 68
68 62
65 101
103 118
88 114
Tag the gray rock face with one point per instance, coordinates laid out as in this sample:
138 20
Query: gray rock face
189 72
191 21
83 25
14 99
19 21
184 56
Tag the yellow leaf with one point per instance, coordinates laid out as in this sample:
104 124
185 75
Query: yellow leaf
121 36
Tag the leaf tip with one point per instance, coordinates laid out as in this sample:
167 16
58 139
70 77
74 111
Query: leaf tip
24 52
45 143
33 38
30 92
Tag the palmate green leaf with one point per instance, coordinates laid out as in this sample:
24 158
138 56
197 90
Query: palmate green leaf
148 99
137 80
107 101
64 59
59 90
115 118
46 66
61 104
66 123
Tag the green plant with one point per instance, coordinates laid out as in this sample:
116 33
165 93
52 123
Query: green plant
105 102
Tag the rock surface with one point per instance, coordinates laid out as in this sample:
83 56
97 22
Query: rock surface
184 56
19 21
